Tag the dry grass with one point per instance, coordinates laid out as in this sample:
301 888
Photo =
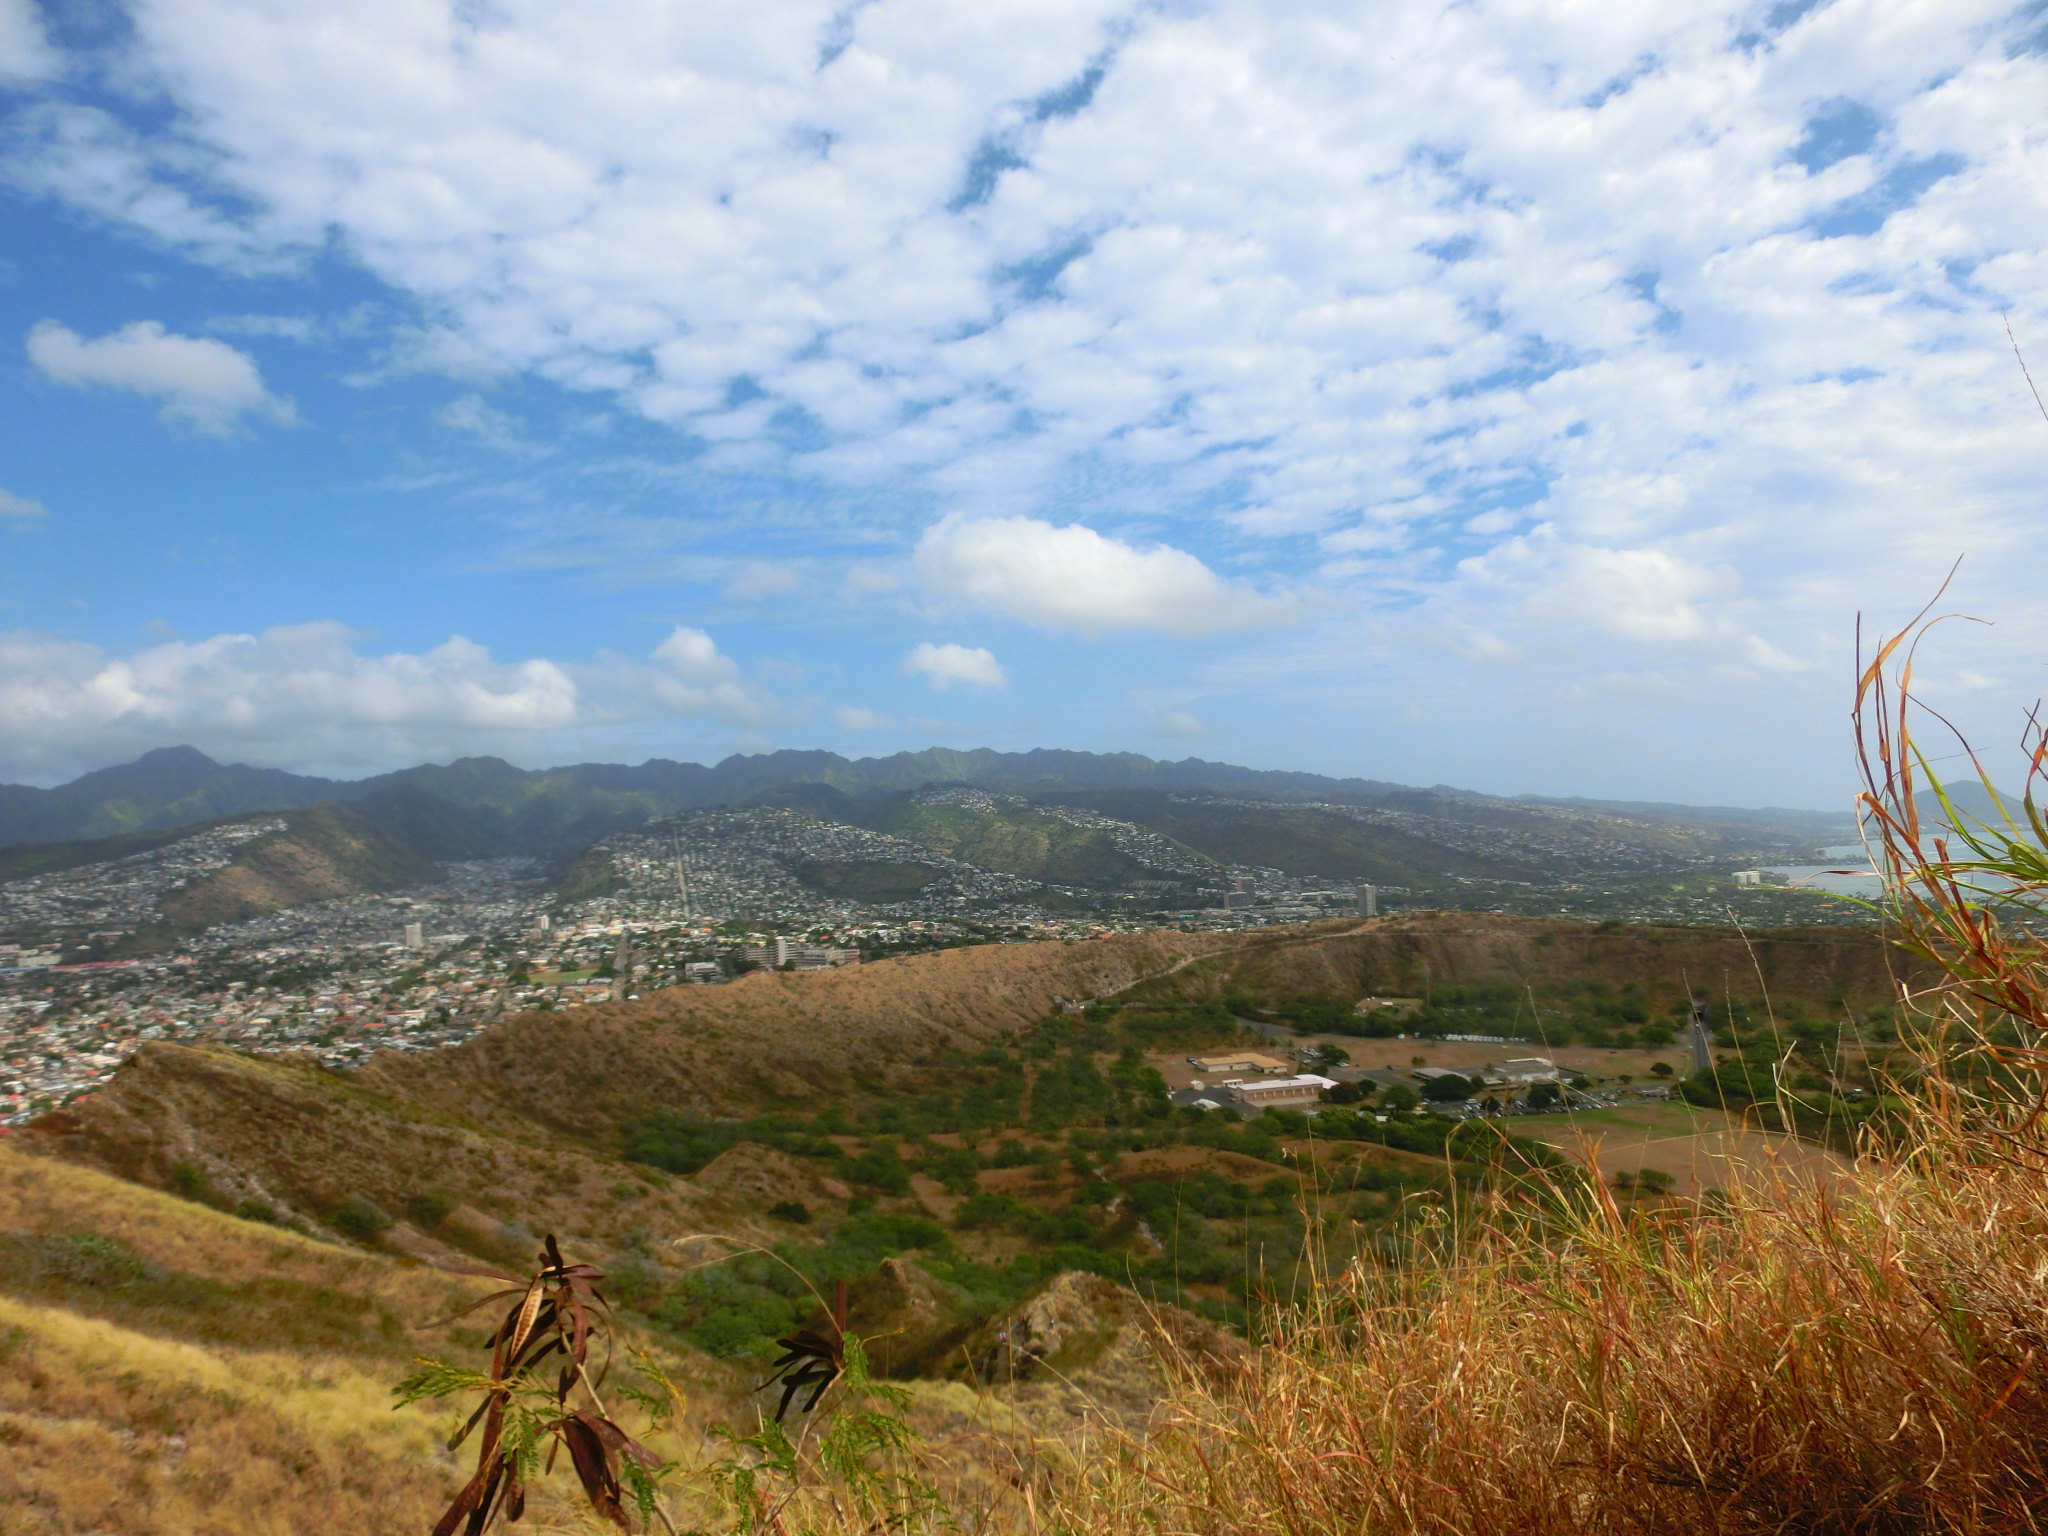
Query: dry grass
1856 1361
301 1139
107 1429
1701 1149
1862 1354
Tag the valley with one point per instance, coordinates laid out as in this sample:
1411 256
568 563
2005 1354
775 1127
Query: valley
940 1043
406 912
992 1145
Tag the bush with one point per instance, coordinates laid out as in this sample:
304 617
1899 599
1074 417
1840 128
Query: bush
257 1210
791 1210
430 1210
190 1181
358 1217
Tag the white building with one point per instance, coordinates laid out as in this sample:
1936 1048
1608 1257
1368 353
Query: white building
1283 1093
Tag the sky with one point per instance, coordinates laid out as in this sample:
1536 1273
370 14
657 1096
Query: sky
1517 395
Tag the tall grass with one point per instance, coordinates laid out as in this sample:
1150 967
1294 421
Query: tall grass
1860 1355
1864 1355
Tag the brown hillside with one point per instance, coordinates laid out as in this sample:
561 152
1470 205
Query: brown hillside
1401 955
772 1039
324 852
302 1138
785 1039
517 1123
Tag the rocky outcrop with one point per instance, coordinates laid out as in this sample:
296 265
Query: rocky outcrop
1085 1334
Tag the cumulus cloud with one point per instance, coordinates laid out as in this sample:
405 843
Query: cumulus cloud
201 383
1702 289
945 665
1181 724
1073 578
857 717
21 507
309 694
1648 598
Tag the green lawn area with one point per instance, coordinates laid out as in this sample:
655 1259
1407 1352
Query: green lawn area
559 978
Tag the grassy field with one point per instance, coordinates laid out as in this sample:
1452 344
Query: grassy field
1700 1148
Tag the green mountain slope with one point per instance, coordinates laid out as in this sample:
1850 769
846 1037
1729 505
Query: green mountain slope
559 809
1015 839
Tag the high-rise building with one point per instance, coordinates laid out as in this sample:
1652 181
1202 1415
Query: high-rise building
415 936
1242 883
1368 901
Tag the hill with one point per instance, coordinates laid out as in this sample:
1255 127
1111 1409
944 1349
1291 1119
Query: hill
321 853
976 1140
1017 837
169 787
893 1029
160 888
520 810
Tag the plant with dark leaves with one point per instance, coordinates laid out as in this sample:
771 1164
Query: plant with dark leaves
540 1394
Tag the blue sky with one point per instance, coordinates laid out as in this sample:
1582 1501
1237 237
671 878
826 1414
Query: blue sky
1519 395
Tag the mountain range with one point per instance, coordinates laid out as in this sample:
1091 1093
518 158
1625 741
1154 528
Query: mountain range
479 805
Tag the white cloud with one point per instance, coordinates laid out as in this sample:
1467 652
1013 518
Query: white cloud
762 578
1074 578
25 52
202 383
308 694
1364 299
12 505
1648 595
693 676
471 414
1183 725
945 665
855 717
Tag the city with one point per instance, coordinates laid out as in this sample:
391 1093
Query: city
697 898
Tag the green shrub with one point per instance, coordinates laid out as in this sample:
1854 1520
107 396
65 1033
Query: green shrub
190 1181
429 1210
359 1217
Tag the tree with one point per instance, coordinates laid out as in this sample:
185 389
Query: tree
1399 1099
1661 1069
1449 1087
1544 1095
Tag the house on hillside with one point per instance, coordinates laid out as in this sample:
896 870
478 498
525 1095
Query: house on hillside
1242 1061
